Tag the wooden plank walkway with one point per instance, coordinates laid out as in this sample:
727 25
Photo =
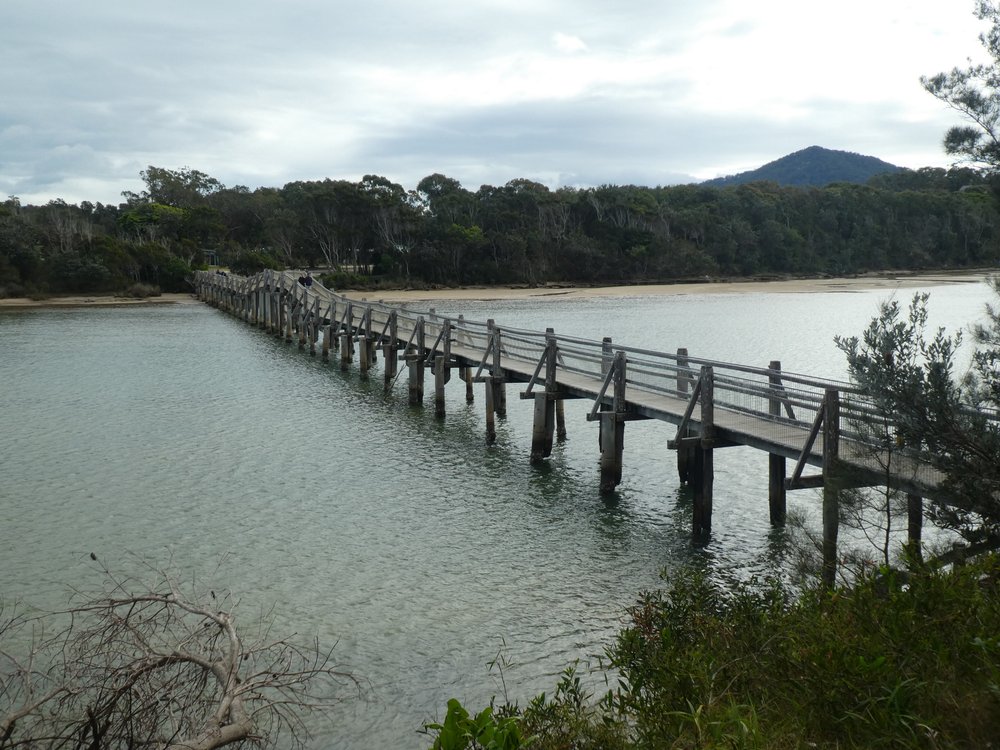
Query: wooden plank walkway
811 421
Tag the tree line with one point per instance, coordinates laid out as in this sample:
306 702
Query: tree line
375 231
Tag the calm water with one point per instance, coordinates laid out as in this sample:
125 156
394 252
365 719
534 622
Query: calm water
182 435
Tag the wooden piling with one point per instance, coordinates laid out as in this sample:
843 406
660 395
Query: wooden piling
543 427
363 353
560 420
289 309
303 323
704 464
544 423
776 494
831 484
347 338
612 429
440 368
491 427
415 370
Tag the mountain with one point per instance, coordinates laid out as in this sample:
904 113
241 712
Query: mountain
813 166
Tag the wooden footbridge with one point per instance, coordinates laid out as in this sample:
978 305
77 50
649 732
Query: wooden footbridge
800 422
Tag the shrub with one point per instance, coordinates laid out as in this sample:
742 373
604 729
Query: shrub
902 660
141 291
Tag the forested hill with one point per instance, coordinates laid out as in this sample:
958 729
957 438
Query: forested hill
375 231
814 166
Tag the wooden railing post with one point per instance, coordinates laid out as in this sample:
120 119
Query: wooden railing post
497 376
415 364
685 453
389 350
544 422
347 338
441 368
464 371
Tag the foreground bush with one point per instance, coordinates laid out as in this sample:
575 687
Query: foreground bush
896 661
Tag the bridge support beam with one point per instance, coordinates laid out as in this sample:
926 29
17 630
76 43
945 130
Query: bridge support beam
560 420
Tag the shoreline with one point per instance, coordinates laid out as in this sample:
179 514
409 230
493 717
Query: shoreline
847 285
95 300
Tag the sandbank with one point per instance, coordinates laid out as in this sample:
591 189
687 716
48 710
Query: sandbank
888 282
95 300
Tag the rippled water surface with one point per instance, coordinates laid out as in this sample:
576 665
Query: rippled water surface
185 436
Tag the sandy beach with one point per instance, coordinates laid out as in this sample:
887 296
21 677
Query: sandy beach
96 300
888 282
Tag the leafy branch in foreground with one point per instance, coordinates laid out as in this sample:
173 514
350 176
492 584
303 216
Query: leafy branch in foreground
952 420
154 663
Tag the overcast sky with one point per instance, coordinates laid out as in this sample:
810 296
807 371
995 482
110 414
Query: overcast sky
581 92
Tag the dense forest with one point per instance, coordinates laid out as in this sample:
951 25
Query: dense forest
376 232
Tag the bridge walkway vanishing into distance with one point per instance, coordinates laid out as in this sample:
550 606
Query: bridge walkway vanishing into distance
810 421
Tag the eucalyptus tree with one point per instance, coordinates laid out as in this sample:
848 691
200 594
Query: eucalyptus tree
974 92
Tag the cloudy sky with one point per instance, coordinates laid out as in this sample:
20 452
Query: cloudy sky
581 92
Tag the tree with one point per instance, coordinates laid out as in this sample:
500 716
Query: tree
183 188
952 421
154 664
974 92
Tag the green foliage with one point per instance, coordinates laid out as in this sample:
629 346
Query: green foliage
248 264
141 291
518 233
974 92
343 280
908 661
460 731
910 373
